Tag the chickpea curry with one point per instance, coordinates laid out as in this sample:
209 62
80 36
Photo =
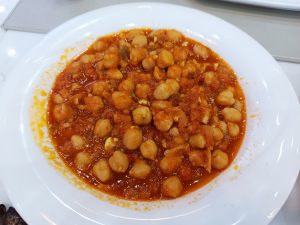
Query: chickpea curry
147 114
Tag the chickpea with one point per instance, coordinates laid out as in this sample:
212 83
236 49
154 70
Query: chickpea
133 137
111 60
144 102
175 151
178 140
99 87
126 86
93 103
57 98
149 149
215 119
121 100
172 85
76 98
110 143
174 131
180 54
225 98
73 68
165 59
223 127
162 92
75 86
99 46
139 41
103 128
231 115
172 187
205 117
178 115
233 129
118 162
99 66
189 68
87 58
164 143
202 101
143 77
197 141
102 170
158 34
142 115
169 164
209 78
219 159
140 170
201 51
163 121
168 44
158 104
77 142
62 112
132 33
217 134
75 75
230 88
198 158
238 105
82 160
137 55
142 91
114 74
99 56
158 73
174 35
148 63
174 72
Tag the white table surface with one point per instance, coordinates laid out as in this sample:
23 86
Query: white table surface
13 45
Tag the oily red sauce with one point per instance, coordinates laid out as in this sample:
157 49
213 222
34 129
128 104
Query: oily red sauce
75 84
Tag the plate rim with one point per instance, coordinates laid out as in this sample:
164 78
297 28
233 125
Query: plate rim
56 30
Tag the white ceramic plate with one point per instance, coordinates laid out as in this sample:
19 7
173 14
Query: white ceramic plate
279 4
250 191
